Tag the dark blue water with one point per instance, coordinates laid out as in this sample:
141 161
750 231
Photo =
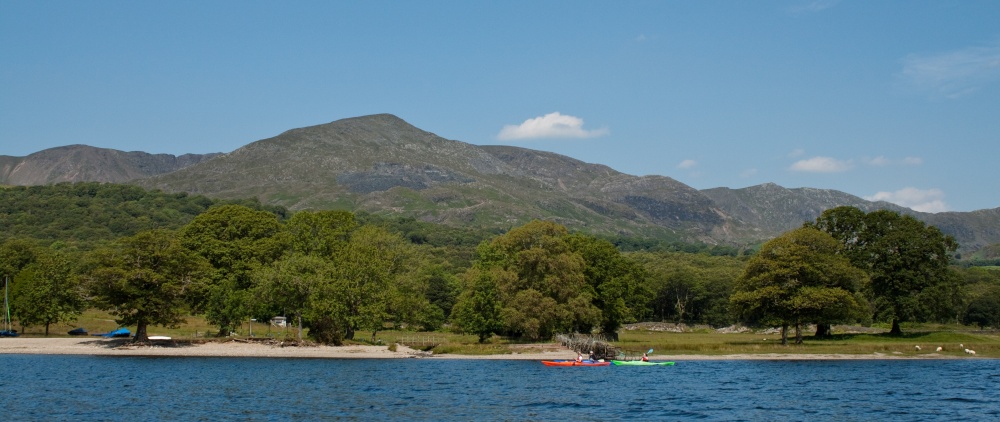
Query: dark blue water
82 388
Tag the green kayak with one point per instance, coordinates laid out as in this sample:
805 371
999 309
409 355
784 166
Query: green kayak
640 363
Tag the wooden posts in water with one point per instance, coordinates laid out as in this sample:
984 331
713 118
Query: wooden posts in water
584 344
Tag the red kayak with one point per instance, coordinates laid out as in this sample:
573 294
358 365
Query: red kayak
573 363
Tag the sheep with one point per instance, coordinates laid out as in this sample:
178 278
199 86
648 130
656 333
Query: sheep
917 347
970 351
939 349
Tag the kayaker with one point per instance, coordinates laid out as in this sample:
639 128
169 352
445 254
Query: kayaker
579 357
645 358
592 356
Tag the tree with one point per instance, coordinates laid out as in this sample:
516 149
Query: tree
47 292
478 310
902 255
984 310
235 240
146 280
534 262
321 233
290 284
798 277
15 254
616 280
358 290
691 287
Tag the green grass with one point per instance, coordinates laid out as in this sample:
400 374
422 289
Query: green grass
949 338
96 321
634 342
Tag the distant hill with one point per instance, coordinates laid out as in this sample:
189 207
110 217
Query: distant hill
82 163
383 165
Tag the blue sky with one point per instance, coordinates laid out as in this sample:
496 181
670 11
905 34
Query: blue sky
894 100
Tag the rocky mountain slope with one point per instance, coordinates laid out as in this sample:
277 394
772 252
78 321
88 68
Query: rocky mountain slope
381 164
82 163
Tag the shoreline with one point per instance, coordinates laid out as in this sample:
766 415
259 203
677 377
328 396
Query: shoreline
95 346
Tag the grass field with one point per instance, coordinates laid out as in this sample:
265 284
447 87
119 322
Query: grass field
701 342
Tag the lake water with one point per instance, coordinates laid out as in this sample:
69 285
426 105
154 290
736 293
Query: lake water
85 388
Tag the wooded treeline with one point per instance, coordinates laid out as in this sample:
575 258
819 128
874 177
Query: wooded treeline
153 258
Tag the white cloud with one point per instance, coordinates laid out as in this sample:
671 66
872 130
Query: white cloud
686 164
953 74
929 200
821 165
552 125
913 161
877 161
798 152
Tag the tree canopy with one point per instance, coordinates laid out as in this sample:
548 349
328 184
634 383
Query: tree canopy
904 259
235 240
46 291
797 278
146 279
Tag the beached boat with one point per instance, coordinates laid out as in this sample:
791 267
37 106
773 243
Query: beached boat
640 363
574 363
121 332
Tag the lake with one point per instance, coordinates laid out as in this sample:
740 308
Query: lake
90 388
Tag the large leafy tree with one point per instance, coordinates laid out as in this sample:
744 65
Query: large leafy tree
540 281
903 256
365 275
235 240
617 281
290 284
146 279
797 278
47 291
478 310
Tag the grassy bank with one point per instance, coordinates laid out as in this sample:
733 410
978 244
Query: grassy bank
953 339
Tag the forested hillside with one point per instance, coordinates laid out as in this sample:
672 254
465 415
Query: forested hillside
87 213
68 247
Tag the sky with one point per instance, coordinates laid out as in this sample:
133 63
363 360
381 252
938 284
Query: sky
886 100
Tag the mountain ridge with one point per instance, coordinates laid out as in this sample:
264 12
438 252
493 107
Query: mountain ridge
83 163
382 164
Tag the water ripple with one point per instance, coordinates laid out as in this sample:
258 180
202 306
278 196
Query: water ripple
82 388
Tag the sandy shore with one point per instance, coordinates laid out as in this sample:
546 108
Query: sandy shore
119 347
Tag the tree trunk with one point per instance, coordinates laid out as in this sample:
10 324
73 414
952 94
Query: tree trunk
784 335
349 334
895 331
798 333
141 336
680 306
823 330
46 329
299 316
